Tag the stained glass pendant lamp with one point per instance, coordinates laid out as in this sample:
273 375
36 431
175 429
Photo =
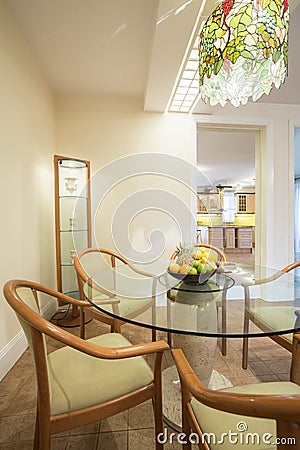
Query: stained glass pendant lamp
243 50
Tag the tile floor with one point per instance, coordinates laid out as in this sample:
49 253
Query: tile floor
133 429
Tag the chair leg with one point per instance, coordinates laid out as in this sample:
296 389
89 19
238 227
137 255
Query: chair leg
186 429
169 339
224 346
153 335
245 342
158 418
245 352
116 327
82 323
36 432
224 319
44 432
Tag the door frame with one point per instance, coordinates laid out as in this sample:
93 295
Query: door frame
292 125
264 170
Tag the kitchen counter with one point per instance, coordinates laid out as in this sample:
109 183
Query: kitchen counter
226 226
229 237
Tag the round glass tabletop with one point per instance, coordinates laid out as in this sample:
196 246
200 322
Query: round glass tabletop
148 296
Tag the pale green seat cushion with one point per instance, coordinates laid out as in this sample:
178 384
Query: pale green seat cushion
279 318
126 305
78 380
218 422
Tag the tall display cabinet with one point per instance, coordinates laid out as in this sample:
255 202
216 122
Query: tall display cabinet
72 222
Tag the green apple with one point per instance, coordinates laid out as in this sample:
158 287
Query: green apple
199 267
193 271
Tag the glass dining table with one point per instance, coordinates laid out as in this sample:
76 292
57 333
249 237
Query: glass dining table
189 312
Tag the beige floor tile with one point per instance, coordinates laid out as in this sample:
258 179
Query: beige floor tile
24 445
25 428
92 428
141 416
5 401
58 443
130 430
23 402
267 378
118 422
8 427
260 368
142 439
82 442
113 441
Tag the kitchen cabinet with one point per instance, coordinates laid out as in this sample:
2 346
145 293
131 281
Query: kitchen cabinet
216 236
208 203
245 203
230 237
244 237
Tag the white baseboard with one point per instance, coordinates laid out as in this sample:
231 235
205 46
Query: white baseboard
10 354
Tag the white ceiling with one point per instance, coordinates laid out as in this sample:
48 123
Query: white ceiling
135 48
217 155
123 47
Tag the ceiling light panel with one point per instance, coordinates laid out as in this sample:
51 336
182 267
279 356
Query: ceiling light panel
187 89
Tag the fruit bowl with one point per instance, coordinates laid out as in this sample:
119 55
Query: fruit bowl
198 278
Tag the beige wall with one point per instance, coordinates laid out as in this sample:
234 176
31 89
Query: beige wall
27 144
106 129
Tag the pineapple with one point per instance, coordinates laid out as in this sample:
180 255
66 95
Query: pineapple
184 254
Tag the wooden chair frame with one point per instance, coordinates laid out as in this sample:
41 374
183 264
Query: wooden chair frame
112 299
282 408
250 316
46 425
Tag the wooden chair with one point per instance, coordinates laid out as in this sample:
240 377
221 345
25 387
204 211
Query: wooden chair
220 258
84 381
92 260
255 413
267 319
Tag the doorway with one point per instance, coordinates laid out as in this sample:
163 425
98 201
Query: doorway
297 193
227 156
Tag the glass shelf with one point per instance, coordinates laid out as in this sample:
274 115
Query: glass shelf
72 196
74 230
73 222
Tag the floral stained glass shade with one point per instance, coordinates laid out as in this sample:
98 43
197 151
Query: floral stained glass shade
243 50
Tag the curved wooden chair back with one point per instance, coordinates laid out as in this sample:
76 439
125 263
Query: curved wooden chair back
285 341
23 297
283 408
92 260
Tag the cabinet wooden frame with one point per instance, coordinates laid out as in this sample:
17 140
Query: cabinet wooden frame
245 202
57 159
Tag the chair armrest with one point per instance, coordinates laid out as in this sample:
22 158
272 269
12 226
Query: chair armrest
295 366
106 301
104 352
255 405
278 274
